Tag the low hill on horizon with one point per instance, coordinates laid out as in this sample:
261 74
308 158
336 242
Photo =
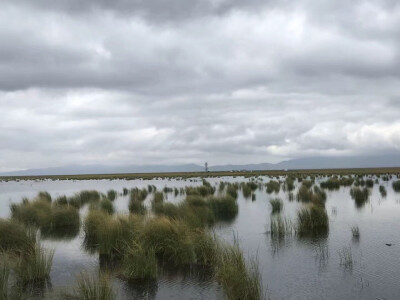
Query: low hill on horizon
376 161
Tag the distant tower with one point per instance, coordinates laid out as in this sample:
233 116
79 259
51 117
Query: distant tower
206 167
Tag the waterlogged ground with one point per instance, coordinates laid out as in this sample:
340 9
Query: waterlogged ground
292 268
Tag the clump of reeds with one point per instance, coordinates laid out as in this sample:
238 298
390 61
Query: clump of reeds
204 190
231 190
360 196
312 220
280 227
43 195
383 191
34 266
355 231
396 186
273 186
289 184
369 183
304 194
332 183
125 191
239 279
246 190
15 237
112 195
107 206
224 208
139 262
61 200
171 240
93 288
137 207
138 194
4 276
276 205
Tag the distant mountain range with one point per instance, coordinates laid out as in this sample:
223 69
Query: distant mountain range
297 164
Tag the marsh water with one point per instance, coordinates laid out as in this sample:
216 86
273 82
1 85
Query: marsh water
291 268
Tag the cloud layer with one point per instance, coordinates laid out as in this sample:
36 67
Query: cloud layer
161 82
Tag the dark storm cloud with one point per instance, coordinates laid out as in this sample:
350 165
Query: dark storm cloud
176 82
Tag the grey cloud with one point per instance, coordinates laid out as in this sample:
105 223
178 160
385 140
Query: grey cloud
172 82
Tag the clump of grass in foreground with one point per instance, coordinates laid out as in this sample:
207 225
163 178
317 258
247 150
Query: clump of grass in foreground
108 234
276 205
355 231
15 237
312 220
34 266
93 288
239 280
139 262
4 276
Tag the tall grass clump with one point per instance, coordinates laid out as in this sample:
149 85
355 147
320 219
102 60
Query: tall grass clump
276 205
360 196
107 206
239 280
112 195
15 237
93 288
273 186
171 240
246 190
280 227
231 190
64 222
88 196
369 183
304 194
331 184
289 184
139 263
224 208
137 194
34 266
4 276
383 191
137 207
43 195
312 220
396 186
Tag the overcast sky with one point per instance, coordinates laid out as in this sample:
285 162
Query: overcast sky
178 81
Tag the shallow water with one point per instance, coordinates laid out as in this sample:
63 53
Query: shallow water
292 268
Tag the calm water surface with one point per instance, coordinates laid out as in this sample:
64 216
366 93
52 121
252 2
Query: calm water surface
291 268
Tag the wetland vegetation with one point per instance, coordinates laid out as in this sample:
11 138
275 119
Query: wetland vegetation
177 226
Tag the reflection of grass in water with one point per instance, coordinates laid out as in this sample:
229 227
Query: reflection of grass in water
346 257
